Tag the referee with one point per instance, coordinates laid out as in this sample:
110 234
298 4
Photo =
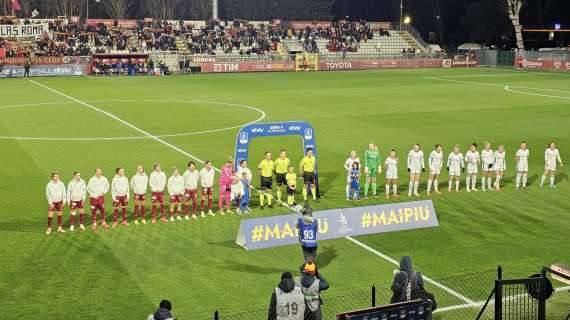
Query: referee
265 169
281 167
307 171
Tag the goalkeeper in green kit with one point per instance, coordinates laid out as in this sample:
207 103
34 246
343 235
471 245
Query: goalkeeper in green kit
372 168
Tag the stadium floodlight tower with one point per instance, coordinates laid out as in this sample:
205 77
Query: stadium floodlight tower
214 9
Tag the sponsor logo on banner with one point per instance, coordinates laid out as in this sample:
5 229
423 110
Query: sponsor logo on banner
204 59
243 137
281 230
341 65
294 128
23 31
257 130
557 65
46 70
226 67
446 63
308 134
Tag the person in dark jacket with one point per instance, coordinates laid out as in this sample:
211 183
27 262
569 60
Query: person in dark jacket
27 67
287 300
312 283
164 311
408 284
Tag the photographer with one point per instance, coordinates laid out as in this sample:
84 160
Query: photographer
287 300
312 283
409 285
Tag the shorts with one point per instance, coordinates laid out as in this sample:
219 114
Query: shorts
157 197
140 197
97 203
76 204
435 171
266 182
120 201
454 172
280 179
207 191
415 170
309 177
486 168
522 168
372 172
175 198
309 253
290 191
550 166
472 169
191 194
392 175
225 188
56 206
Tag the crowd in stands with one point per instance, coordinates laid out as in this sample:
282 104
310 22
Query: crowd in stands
343 36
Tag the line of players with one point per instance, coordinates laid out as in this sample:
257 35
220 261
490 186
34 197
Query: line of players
493 163
182 190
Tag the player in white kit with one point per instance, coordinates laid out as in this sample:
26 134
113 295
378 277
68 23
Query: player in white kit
473 159
499 165
455 163
521 158
435 163
348 166
487 160
551 155
391 166
416 165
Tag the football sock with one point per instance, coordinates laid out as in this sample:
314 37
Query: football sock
395 187
387 189
347 191
468 182
483 182
416 185
136 212
261 199
228 200
435 185
124 214
49 221
524 177
269 199
103 216
72 218
457 185
518 180
81 218
154 210
473 182
542 179
489 182
551 180
450 184
278 195
410 187
374 188
115 214
59 220
290 200
366 186
314 192
210 200
430 182
202 204
305 193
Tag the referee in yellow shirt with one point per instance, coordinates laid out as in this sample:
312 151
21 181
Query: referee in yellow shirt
281 167
307 170
265 169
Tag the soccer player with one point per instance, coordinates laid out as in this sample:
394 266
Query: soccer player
416 165
226 177
282 164
372 168
473 159
244 191
499 165
120 194
265 170
487 161
55 194
207 176
97 187
521 159
139 184
235 187
307 169
348 166
435 163
175 186
291 178
551 155
157 182
355 182
191 177
76 191
455 164
391 166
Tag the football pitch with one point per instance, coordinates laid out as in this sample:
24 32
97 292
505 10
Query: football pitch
79 124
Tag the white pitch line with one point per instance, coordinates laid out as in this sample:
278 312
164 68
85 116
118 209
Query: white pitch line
128 124
426 278
509 89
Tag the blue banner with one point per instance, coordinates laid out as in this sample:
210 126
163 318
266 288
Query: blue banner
273 129
46 70
337 223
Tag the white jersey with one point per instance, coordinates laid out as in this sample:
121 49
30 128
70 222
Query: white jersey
240 173
550 158
157 181
435 162
416 161
472 158
348 166
119 187
76 190
191 179
175 185
139 183
499 161
207 177
97 187
522 163
455 162
391 165
487 159
55 192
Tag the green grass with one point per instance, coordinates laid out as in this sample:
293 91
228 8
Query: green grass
123 273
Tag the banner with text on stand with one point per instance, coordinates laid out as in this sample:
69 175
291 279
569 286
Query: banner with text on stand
338 223
276 129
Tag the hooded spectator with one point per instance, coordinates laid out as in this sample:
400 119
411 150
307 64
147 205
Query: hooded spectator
408 284
287 300
163 312
312 283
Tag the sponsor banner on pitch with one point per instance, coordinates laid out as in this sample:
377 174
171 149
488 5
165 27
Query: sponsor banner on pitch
337 223
23 30
555 65
47 70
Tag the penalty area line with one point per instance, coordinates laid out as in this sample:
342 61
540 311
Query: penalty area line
128 124
426 278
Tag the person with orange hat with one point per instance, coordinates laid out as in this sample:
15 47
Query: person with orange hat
312 283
